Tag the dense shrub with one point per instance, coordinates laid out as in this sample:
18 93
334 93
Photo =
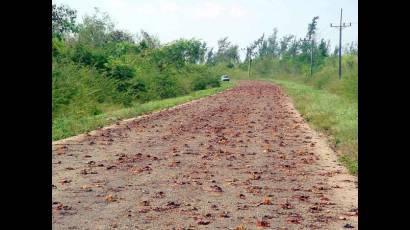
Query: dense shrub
325 76
205 82
79 90
88 55
58 47
120 70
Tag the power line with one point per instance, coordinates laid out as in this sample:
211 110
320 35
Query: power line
340 26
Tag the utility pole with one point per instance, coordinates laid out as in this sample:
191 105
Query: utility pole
340 26
250 62
250 67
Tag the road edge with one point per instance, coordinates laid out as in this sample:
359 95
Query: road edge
121 123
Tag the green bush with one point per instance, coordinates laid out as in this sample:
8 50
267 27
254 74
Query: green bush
167 86
137 87
120 70
204 82
101 69
58 47
90 56
230 65
76 89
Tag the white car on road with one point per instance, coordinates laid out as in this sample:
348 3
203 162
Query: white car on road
225 78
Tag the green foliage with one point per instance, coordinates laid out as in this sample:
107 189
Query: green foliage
58 47
177 54
312 28
118 49
327 103
167 86
101 74
272 47
96 30
120 69
78 90
330 113
89 55
120 36
227 53
284 45
210 57
294 54
66 126
102 69
351 48
256 45
147 41
63 20
204 78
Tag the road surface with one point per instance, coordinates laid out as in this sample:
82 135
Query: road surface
241 159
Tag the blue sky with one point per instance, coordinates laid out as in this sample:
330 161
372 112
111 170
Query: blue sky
243 21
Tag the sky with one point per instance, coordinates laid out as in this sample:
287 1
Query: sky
242 21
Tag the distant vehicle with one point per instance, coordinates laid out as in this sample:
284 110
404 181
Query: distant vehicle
225 78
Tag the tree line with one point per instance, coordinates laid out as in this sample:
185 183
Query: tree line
95 64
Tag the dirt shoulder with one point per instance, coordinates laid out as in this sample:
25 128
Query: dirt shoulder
243 157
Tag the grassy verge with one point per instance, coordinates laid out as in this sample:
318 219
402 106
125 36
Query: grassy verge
71 126
329 113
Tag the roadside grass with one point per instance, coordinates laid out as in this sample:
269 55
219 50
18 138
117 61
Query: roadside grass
329 113
328 104
73 125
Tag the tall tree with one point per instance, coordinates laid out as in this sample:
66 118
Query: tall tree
308 45
223 45
147 41
336 51
250 52
273 47
322 52
284 44
323 48
63 20
312 28
120 36
210 57
232 54
95 29
294 48
263 49
227 53
351 48
180 52
254 48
